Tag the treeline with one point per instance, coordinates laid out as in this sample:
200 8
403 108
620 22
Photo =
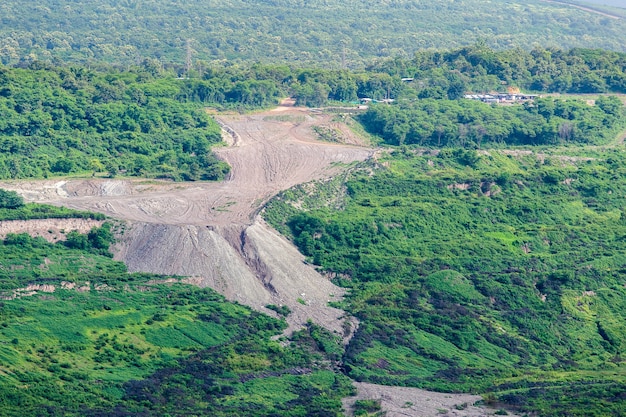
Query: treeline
479 68
469 123
430 74
63 120
145 121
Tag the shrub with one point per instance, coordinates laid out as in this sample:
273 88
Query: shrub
10 199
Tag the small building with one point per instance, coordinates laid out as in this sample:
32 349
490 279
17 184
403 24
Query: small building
501 97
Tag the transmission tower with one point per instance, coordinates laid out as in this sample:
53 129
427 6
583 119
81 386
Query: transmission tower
188 59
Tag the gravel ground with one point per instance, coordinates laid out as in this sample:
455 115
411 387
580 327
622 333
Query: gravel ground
414 402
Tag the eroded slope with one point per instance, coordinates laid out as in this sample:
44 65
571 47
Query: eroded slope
210 231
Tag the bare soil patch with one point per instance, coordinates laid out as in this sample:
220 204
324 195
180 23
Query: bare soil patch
403 401
210 231
53 230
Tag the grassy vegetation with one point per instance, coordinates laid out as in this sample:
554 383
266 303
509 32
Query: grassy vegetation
503 276
79 335
104 347
145 347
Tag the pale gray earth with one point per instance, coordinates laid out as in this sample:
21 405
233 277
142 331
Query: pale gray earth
413 402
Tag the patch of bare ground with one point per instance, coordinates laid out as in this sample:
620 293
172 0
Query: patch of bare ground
210 232
541 157
53 230
403 401
37 289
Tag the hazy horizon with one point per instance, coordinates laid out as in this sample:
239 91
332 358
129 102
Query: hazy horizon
614 3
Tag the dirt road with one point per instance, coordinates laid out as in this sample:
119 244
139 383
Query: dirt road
270 153
211 231
414 402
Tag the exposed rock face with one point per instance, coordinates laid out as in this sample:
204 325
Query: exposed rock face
53 230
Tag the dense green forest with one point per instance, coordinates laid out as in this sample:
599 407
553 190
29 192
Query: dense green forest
480 68
145 121
59 121
498 272
428 74
80 336
468 123
313 32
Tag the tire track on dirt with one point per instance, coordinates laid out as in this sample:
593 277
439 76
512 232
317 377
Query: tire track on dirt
211 231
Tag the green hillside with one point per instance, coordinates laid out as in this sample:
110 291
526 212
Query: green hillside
316 32
80 336
483 247
501 274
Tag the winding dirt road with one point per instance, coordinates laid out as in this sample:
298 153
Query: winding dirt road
267 156
211 232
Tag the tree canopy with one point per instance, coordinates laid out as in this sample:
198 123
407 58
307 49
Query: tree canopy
63 120
322 33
